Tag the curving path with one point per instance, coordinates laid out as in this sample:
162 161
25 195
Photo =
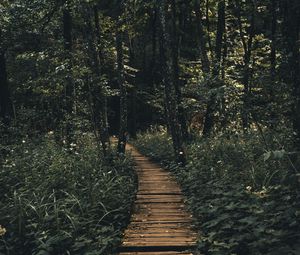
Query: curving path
160 225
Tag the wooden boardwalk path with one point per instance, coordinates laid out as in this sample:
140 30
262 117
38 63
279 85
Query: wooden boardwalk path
160 225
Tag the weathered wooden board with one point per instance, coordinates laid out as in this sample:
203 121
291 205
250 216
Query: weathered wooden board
157 253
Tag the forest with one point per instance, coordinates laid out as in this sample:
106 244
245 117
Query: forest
207 89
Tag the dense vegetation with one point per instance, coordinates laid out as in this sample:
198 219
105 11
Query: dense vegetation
241 197
221 77
57 202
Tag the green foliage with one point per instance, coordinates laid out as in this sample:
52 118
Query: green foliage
156 144
243 202
59 201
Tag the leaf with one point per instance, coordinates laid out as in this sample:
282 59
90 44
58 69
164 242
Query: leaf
267 155
279 154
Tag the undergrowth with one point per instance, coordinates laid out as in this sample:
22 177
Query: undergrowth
58 201
241 193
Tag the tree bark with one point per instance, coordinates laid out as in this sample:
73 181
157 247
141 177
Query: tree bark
101 97
154 48
69 86
202 39
169 79
123 93
273 6
208 25
247 45
5 101
132 104
219 36
175 56
210 111
293 37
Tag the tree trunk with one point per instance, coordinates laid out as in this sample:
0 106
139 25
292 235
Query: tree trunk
202 39
101 97
247 45
5 102
219 36
293 37
223 113
123 94
132 104
132 127
273 6
209 115
208 25
69 87
175 50
154 48
169 79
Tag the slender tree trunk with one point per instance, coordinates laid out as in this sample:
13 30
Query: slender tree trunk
293 38
132 104
175 56
208 25
208 122
154 48
169 79
132 127
202 39
69 87
247 45
181 26
273 7
225 54
5 102
102 99
123 93
209 115
219 36
223 74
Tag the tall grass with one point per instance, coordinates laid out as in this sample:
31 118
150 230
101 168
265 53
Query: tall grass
57 201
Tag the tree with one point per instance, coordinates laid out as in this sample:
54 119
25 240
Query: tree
99 99
69 85
292 33
169 80
121 82
5 101
175 56
211 105
5 98
247 47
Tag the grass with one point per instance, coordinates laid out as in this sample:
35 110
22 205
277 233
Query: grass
57 201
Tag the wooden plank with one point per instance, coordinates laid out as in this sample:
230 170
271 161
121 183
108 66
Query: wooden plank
159 232
150 240
157 243
156 253
173 200
160 237
161 205
162 213
159 192
171 225
162 221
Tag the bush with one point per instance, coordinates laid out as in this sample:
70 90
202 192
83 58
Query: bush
59 201
239 194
